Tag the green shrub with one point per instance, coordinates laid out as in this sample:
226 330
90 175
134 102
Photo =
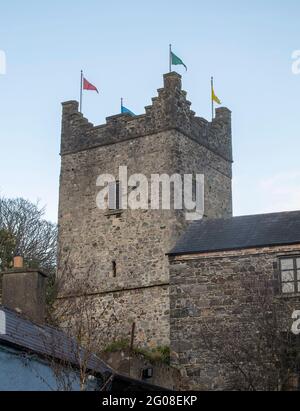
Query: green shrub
117 346
156 355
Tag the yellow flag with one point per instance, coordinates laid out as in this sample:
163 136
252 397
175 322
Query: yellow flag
214 97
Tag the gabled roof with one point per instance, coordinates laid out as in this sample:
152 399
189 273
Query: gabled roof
50 342
240 232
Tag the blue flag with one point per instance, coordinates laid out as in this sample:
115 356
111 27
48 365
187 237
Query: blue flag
125 110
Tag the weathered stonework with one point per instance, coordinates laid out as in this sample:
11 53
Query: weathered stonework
133 364
217 289
169 139
24 291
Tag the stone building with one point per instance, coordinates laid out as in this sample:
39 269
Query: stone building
118 257
226 277
223 297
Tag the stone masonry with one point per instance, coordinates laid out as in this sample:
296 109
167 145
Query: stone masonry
220 291
121 257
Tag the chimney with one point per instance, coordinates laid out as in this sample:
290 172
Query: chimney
24 291
18 261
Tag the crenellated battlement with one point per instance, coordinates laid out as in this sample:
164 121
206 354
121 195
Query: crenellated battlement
169 110
118 257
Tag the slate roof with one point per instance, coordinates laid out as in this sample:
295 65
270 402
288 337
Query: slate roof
44 340
50 342
240 232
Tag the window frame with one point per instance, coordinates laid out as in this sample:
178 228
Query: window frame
115 203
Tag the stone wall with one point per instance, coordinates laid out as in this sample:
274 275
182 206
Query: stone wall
169 111
167 139
219 314
133 364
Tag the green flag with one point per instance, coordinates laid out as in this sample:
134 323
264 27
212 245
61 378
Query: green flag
176 60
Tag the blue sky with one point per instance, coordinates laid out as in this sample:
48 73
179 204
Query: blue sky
123 48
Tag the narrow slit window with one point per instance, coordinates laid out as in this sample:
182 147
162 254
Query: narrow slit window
115 196
114 268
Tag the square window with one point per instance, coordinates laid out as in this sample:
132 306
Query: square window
288 288
287 264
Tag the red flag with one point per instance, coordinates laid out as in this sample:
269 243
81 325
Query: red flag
89 86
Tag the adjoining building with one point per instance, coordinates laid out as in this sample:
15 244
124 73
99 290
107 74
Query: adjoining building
41 358
234 285
37 357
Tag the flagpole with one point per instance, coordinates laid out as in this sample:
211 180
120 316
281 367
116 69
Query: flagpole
212 100
81 86
170 58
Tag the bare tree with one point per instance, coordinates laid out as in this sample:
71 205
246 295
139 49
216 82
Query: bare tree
88 322
255 350
7 247
28 233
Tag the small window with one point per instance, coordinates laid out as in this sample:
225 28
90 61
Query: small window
290 275
114 268
114 197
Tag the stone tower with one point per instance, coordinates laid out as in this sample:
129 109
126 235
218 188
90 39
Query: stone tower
119 257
